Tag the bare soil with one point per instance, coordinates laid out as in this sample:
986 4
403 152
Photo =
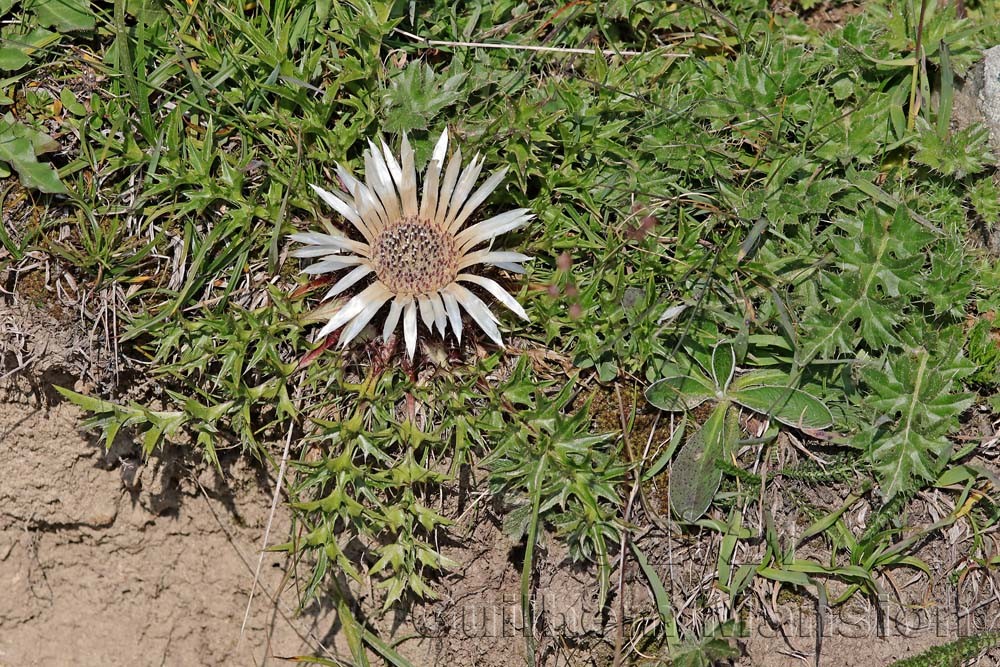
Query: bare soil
113 562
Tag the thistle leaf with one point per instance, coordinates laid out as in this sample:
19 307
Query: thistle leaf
919 393
879 260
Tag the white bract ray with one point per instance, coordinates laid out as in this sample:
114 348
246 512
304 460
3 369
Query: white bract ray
415 248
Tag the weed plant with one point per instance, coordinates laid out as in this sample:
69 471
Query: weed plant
744 212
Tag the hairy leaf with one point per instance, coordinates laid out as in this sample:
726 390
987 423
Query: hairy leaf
879 260
678 393
695 475
920 394
786 404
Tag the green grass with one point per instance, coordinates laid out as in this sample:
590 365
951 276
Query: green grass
748 196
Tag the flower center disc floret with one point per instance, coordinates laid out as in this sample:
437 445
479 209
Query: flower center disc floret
414 257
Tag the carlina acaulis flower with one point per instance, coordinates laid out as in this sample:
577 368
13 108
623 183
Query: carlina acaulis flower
416 253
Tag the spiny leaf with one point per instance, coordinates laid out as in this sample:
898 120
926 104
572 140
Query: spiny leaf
417 95
879 260
919 393
956 154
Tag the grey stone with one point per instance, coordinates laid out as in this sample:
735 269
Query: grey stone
989 94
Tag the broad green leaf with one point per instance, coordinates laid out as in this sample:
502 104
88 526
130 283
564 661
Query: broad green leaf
793 407
37 38
606 371
695 477
35 174
723 365
63 15
150 12
956 475
70 102
784 576
772 376
40 142
678 393
18 51
19 146
12 59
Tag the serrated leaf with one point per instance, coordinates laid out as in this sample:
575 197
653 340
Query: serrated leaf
695 475
917 392
956 154
790 406
879 260
678 393
417 95
88 403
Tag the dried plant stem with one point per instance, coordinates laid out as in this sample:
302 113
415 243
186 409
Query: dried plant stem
527 47
267 530
633 493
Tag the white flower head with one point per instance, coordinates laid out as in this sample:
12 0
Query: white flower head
418 251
